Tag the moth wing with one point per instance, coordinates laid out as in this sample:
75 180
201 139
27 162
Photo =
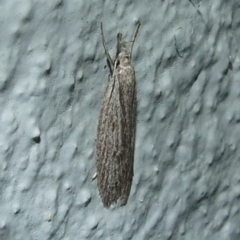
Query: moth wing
116 138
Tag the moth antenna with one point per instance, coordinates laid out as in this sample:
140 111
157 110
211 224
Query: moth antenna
109 59
134 37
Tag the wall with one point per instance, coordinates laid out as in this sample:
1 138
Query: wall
52 78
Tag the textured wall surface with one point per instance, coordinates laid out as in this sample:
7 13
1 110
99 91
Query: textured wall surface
52 78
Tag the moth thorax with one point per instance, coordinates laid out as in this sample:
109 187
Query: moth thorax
124 59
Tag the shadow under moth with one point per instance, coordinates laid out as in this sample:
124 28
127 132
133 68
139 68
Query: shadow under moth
117 126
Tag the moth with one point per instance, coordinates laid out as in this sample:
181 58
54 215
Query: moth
115 141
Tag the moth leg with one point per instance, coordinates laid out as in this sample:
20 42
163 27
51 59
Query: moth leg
109 59
134 37
94 176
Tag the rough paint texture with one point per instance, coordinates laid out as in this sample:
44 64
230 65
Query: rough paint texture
186 183
116 130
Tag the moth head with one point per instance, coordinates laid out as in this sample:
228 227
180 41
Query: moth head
123 55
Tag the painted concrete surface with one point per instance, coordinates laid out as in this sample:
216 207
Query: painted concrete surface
52 78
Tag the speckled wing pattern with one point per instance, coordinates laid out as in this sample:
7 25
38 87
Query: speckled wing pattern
116 129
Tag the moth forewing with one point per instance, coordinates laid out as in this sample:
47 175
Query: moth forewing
116 127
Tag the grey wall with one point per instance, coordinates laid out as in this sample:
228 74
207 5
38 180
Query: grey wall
52 79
